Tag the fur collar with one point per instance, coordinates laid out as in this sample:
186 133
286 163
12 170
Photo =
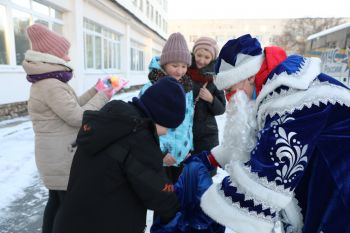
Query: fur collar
156 74
35 56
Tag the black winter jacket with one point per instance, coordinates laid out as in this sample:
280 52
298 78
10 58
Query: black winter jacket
205 129
116 174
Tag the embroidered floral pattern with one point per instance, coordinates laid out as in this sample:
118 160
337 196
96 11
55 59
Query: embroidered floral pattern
290 154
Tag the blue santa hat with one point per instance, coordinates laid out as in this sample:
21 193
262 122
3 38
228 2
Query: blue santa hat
239 59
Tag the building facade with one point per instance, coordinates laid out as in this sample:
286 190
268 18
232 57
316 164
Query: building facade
107 37
266 30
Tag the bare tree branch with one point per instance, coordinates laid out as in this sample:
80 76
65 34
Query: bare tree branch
296 31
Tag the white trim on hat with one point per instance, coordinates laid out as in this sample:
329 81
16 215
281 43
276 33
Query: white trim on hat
32 55
246 66
291 100
309 70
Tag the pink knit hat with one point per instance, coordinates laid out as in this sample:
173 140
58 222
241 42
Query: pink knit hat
46 41
175 50
208 44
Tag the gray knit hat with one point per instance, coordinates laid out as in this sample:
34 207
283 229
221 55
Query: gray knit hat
175 50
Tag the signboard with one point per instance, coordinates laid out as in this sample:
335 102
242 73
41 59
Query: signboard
335 62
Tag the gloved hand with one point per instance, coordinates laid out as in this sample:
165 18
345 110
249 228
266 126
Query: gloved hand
110 85
115 82
101 87
204 157
109 92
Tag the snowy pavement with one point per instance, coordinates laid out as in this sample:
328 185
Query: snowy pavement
22 194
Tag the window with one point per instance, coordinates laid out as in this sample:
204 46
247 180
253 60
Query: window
4 45
152 13
157 18
23 13
40 8
147 9
136 57
102 47
141 5
331 44
22 3
165 5
165 27
21 21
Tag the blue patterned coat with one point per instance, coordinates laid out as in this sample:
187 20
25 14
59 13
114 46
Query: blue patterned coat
298 175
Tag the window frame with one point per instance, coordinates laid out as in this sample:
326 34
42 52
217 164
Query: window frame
114 40
10 30
140 62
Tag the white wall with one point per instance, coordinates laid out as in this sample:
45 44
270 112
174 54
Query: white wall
13 84
14 87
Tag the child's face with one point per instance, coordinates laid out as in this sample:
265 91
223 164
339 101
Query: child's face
176 69
202 58
161 130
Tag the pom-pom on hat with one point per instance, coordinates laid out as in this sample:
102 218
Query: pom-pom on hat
164 102
273 56
44 40
175 50
238 60
208 44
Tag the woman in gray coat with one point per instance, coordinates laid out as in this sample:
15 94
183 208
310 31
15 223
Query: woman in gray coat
56 112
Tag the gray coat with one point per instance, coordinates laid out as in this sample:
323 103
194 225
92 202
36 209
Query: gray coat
57 113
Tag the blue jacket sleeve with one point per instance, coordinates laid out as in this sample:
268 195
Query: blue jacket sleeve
193 182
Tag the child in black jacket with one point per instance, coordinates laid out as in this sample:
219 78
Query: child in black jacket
209 101
117 171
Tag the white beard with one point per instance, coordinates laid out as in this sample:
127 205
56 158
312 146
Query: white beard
240 128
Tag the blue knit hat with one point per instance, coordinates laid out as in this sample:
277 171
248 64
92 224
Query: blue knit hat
239 59
164 102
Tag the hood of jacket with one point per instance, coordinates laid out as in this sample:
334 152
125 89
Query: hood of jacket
115 121
155 74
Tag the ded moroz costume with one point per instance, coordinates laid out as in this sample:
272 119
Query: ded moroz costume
287 152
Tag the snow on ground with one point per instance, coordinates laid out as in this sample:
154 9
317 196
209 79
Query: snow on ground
17 166
23 196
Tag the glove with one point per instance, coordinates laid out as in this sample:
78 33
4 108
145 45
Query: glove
115 82
109 92
101 87
110 85
204 157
